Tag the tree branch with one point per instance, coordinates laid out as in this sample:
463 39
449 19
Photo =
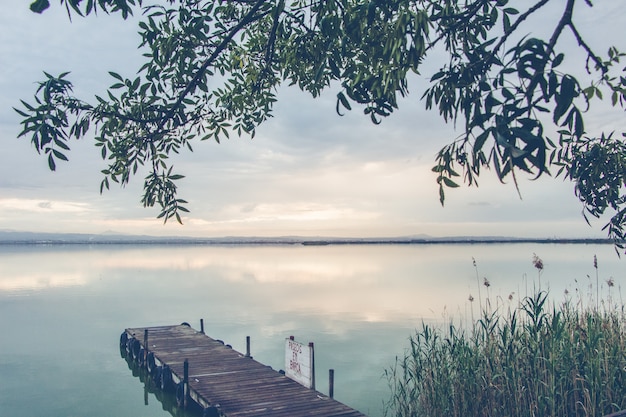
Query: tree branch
585 46
515 25
247 19
565 20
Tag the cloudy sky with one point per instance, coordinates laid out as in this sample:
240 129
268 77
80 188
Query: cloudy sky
307 172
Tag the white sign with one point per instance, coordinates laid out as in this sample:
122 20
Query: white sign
300 362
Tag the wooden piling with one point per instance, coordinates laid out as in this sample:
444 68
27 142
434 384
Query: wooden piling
312 365
145 348
185 383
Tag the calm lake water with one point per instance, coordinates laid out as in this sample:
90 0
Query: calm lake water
63 308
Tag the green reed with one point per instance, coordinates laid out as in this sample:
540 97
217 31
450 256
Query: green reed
533 360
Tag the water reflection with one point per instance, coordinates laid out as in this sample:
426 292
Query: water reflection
165 399
62 308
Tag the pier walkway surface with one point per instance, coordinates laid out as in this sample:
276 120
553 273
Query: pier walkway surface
220 380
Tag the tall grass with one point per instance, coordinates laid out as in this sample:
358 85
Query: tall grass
536 359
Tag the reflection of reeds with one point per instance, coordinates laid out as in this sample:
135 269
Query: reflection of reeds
535 360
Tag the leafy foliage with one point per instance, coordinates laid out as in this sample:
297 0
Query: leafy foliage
73 6
212 69
533 360
523 356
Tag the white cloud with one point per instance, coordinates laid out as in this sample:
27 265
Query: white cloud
42 206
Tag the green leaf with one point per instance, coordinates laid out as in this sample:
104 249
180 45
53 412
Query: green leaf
61 144
51 163
104 184
598 93
564 98
449 183
480 140
437 76
116 75
442 194
39 6
557 60
28 106
568 88
506 22
589 92
341 98
21 113
579 125
59 155
507 94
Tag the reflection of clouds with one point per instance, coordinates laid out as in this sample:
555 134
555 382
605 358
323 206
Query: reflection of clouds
338 284
334 281
33 282
163 259
279 264
298 272
353 301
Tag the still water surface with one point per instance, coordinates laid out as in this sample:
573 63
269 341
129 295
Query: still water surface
62 309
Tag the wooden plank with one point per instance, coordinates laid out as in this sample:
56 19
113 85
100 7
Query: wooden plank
239 385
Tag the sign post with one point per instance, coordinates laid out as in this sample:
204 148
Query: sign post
300 362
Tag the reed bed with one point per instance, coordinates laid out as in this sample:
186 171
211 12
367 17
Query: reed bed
535 359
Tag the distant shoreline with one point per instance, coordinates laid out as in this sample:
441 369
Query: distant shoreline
16 237
296 241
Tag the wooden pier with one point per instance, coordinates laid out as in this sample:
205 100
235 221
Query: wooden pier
205 373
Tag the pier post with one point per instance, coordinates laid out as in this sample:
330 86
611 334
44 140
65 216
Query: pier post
202 326
312 365
331 383
145 348
185 383
247 346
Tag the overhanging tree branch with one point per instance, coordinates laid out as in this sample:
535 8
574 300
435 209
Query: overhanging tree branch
246 20
369 47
